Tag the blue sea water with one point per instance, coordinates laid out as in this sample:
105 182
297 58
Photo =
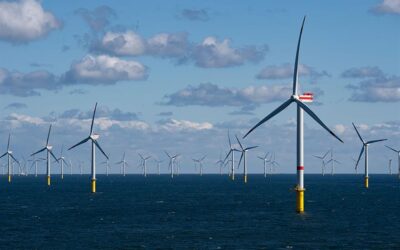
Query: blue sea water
193 212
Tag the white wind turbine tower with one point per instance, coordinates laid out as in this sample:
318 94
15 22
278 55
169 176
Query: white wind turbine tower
265 160
158 165
49 152
62 161
106 163
232 153
243 155
332 161
35 163
143 163
398 157
390 166
10 158
365 148
322 158
93 138
299 100
171 162
200 162
70 167
123 164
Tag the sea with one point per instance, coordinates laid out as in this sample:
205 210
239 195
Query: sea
199 212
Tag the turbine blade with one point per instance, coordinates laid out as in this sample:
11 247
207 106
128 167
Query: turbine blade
3 155
397 151
8 143
203 158
323 157
55 158
240 144
43 149
373 141
229 139
141 156
359 157
167 154
79 143
337 161
48 136
259 157
275 112
359 136
14 159
251 147
241 157
227 155
98 146
296 62
315 117
94 113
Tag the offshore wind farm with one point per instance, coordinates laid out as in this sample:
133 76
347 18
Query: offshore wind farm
196 126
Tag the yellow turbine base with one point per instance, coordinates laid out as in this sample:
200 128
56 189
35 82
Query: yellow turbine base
366 182
93 186
245 179
300 201
233 177
48 181
9 178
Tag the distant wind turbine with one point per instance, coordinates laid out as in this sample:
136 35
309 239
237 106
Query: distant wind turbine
200 162
243 156
93 138
265 160
48 149
123 164
158 165
231 152
10 158
365 148
62 162
332 161
398 158
35 163
107 166
171 162
143 163
299 100
322 158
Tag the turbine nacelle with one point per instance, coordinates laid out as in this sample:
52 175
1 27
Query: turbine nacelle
94 136
49 147
9 152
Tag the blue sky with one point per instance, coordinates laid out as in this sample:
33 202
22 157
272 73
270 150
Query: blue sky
176 75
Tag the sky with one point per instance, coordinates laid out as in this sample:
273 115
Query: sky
176 76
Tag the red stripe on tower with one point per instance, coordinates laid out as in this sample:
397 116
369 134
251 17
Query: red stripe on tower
300 167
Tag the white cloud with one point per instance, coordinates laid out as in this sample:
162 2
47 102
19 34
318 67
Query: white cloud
126 43
103 69
388 7
25 20
285 71
209 94
212 53
176 125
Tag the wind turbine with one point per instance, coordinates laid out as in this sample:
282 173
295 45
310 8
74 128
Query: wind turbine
243 155
171 162
322 158
332 160
158 165
365 148
220 163
123 164
200 162
143 164
265 160
232 153
107 166
273 163
10 158
299 100
35 162
62 162
49 152
93 138
398 157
